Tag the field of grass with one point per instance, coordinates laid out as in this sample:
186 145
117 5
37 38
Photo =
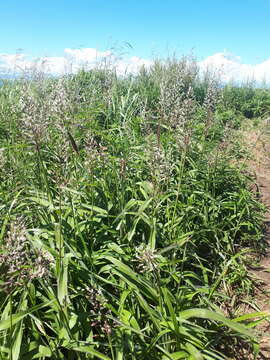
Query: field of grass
124 218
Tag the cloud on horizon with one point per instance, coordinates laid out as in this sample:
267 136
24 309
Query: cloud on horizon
72 61
230 68
226 65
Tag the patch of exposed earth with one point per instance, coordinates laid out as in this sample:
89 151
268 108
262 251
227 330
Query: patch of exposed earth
258 143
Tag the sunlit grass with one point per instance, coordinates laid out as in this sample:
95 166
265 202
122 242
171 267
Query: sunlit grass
129 221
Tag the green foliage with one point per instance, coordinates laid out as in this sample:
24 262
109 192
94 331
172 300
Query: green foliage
122 218
247 100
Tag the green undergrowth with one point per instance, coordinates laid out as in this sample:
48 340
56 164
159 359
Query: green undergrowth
124 218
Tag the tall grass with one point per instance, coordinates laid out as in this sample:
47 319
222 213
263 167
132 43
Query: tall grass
124 223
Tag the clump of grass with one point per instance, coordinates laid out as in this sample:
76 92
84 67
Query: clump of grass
136 217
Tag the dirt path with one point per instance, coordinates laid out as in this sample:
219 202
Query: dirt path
258 142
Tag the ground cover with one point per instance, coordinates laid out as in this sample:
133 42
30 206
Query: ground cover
126 220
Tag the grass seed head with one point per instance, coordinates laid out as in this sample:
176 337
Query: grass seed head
160 162
176 91
146 258
98 310
19 262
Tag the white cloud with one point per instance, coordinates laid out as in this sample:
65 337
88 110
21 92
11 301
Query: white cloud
228 67
71 61
8 61
131 65
89 58
87 54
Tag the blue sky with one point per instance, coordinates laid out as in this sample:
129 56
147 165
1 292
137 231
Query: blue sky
152 27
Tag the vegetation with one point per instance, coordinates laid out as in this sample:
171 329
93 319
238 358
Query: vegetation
124 218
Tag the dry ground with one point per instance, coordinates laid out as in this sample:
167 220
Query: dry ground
257 141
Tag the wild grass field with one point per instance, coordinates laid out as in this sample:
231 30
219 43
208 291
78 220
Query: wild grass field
126 220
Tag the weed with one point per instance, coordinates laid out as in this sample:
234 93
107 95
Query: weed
135 215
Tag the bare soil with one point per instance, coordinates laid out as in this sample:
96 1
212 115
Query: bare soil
258 143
